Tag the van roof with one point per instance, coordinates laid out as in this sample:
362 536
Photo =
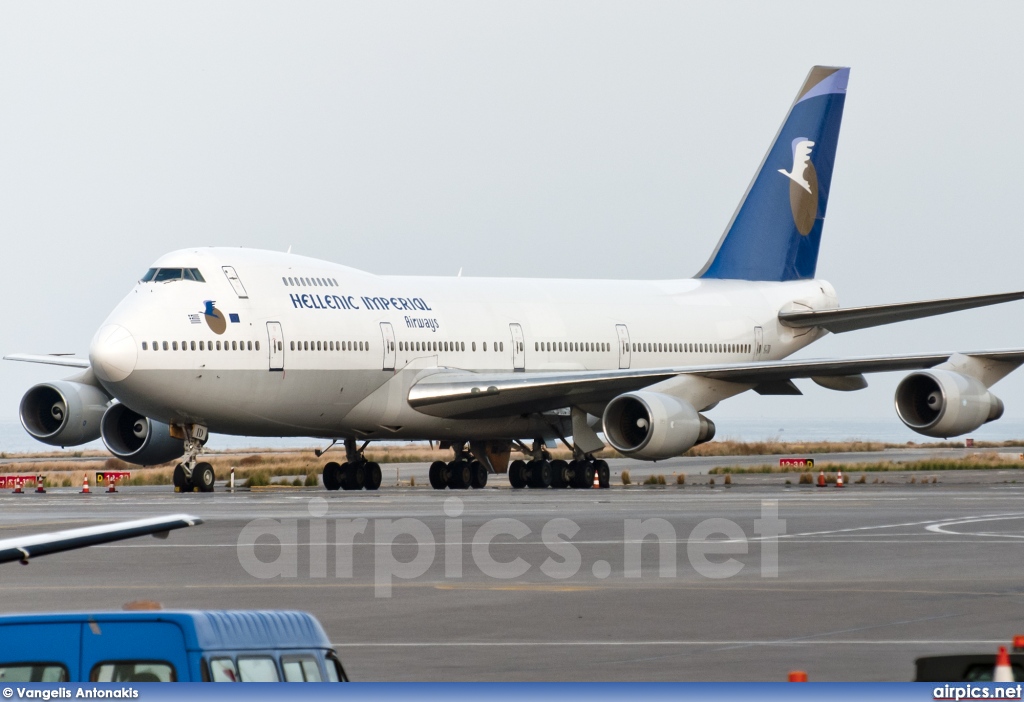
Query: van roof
210 630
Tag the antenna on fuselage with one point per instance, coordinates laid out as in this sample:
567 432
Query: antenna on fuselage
289 248
459 275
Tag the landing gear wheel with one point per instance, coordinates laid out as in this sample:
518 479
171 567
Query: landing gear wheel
541 474
604 473
585 475
478 472
459 476
181 483
437 477
203 477
353 476
373 475
332 471
517 474
560 474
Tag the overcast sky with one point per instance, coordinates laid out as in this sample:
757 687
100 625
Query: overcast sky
577 139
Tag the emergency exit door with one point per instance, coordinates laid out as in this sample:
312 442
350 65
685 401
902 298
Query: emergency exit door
387 332
518 348
275 338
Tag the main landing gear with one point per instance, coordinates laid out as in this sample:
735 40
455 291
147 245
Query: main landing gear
190 475
355 473
465 472
542 472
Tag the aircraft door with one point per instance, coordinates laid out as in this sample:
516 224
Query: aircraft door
275 337
390 353
236 283
758 343
518 348
624 354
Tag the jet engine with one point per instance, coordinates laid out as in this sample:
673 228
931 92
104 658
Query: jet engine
63 413
654 426
137 439
943 403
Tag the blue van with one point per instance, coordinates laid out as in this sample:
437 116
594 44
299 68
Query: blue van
159 646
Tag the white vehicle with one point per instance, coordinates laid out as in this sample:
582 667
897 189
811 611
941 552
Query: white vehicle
261 343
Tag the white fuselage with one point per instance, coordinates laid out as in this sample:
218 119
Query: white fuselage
336 372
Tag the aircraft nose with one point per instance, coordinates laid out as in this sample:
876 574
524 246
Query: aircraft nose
113 353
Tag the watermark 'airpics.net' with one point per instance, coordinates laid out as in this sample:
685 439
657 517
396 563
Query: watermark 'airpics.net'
711 547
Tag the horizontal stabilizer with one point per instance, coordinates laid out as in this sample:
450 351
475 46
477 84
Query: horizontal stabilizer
52 360
853 318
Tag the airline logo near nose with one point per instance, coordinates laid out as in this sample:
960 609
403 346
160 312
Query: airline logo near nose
803 185
215 319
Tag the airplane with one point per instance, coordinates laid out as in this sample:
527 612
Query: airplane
23 548
262 343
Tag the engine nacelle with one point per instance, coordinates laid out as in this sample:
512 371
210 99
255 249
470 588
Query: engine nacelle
63 413
137 439
654 426
943 403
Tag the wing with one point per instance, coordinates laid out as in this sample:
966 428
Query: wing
853 318
22 548
467 395
53 359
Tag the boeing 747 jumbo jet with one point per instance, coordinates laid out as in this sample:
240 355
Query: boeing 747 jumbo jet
260 343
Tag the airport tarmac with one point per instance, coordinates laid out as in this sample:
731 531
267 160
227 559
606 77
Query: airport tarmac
868 578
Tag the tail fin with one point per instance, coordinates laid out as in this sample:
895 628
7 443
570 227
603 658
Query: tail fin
775 232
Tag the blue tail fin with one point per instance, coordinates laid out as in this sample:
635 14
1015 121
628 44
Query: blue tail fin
776 230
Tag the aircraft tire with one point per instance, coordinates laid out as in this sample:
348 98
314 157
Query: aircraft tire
604 474
331 476
541 474
517 474
180 481
478 475
203 477
436 475
560 474
459 476
373 475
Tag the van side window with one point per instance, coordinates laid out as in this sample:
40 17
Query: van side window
300 669
133 671
33 672
257 669
223 670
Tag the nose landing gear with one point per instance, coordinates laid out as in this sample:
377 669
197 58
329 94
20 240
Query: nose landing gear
191 475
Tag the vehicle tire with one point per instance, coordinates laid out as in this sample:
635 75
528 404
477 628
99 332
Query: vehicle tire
373 475
203 477
436 474
479 474
560 474
459 476
517 474
604 473
179 479
331 472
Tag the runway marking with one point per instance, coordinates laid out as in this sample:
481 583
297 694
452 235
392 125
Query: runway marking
941 528
769 642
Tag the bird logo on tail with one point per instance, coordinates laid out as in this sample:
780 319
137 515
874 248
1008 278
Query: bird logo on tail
803 186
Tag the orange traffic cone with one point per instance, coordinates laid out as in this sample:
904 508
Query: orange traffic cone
17 488
1003 672
839 479
821 479
85 485
797 676
39 484
597 479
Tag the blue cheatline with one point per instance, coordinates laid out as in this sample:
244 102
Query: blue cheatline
776 230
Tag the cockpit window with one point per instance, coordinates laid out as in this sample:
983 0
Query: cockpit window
164 275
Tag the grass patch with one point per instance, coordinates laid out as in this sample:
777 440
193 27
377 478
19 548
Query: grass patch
625 478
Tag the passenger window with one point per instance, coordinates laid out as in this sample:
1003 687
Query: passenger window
144 346
218 346
223 670
293 346
257 669
202 345
301 669
165 346
249 345
193 345
133 671
33 672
